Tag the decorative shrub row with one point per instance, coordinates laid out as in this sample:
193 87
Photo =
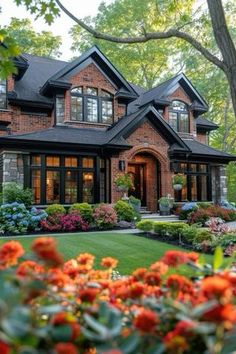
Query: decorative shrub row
52 306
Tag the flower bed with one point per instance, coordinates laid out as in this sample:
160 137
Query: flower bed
52 306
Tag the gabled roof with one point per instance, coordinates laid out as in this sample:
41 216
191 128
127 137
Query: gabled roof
205 124
92 55
161 92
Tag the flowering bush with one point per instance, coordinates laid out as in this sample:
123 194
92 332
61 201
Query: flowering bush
104 216
217 226
56 307
73 222
14 218
83 209
186 209
36 216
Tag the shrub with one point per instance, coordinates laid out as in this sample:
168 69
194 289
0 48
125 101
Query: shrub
204 205
186 209
55 210
202 235
52 223
14 218
189 233
145 225
36 216
172 229
13 192
203 215
199 216
84 209
124 211
228 239
73 222
104 216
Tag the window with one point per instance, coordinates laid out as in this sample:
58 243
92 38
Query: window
60 109
198 182
64 179
87 105
179 117
3 94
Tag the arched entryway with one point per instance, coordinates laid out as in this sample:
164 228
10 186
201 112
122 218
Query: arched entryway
145 170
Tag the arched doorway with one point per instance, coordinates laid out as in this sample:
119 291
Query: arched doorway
144 168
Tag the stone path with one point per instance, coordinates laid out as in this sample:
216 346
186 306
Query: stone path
232 225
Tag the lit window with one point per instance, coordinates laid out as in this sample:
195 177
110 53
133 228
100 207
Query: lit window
52 187
71 162
3 94
53 161
88 162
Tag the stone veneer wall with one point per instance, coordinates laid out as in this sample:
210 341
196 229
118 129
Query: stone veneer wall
13 167
219 183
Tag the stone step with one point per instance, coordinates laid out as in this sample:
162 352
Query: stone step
158 217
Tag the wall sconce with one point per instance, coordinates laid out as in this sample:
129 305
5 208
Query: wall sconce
121 165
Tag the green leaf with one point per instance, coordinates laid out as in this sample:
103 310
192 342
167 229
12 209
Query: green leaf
61 333
129 344
218 258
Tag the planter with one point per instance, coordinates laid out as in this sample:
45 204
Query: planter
136 206
164 210
177 187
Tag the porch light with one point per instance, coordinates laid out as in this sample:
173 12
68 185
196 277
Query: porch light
121 165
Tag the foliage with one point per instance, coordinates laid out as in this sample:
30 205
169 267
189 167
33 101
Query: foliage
55 209
52 223
84 209
124 181
13 192
73 222
145 225
164 201
69 307
203 215
188 234
124 211
202 235
186 209
171 229
134 200
217 226
178 179
37 215
104 216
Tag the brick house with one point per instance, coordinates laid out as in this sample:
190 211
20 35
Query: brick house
68 129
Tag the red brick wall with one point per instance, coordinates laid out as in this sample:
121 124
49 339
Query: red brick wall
203 138
145 139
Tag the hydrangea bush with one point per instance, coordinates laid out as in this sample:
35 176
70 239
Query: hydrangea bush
104 216
49 306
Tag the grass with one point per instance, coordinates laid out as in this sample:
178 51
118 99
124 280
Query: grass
131 251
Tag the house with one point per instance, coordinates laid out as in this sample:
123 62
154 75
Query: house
68 129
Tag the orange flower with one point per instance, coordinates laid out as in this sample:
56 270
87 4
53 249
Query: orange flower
109 262
45 248
159 267
9 253
175 344
58 278
65 348
136 290
86 259
193 257
63 318
178 283
29 268
152 278
216 287
4 348
71 268
221 313
88 295
139 273
146 321
174 258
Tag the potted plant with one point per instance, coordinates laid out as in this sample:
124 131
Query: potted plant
124 183
135 202
178 181
164 206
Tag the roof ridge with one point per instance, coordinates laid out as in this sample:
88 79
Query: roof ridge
44 57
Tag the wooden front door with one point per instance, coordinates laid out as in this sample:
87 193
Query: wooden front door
138 175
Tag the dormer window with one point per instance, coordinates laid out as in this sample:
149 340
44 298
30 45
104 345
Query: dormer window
89 105
179 116
3 94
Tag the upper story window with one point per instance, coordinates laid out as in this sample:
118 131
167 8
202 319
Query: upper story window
179 116
90 106
3 94
60 109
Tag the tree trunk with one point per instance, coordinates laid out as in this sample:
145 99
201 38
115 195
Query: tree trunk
225 44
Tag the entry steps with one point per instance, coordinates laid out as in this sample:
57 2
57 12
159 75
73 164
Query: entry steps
158 217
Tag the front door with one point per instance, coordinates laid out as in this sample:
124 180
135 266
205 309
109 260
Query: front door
138 175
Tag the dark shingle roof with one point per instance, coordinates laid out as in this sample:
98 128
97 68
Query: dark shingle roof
39 70
198 148
206 124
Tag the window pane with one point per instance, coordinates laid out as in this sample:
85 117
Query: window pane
202 180
179 106
88 186
106 94
193 167
77 90
193 187
102 187
92 91
71 187
202 168
53 187
53 161
71 161
36 160
183 123
107 111
173 120
92 110
36 187
77 108
182 167
3 97
60 109
87 162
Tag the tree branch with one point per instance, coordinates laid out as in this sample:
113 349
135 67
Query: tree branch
146 37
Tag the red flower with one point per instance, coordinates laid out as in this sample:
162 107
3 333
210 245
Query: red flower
136 290
4 348
146 321
178 283
45 248
65 348
85 259
174 258
159 267
63 318
109 262
221 313
193 256
139 273
29 268
9 253
88 295
152 278
216 287
175 343
57 277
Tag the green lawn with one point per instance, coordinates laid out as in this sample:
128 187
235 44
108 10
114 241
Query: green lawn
131 251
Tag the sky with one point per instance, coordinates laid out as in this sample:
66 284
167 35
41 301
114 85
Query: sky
61 26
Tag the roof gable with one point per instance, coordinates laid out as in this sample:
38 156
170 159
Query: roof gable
93 55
